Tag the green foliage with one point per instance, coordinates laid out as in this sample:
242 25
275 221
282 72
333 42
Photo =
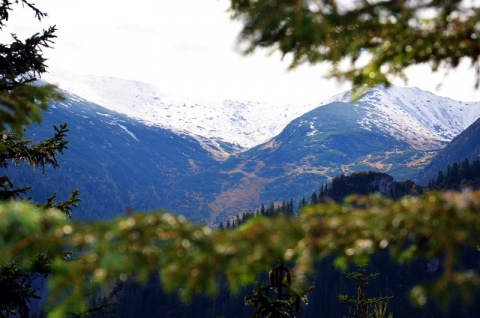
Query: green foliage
191 257
63 206
20 151
22 102
21 63
366 42
363 306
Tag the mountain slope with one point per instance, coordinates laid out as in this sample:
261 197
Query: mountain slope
465 145
421 118
115 161
326 142
381 132
232 126
118 161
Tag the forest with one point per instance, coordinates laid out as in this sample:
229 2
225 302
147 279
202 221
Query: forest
152 301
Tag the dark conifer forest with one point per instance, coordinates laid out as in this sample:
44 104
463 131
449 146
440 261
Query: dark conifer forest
394 280
458 175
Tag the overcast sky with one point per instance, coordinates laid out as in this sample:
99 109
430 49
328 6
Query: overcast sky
187 47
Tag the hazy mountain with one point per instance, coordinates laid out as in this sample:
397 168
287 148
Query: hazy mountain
125 155
214 122
421 118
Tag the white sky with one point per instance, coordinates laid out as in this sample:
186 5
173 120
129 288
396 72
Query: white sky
187 48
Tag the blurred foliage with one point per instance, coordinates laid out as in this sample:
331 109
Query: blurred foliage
17 288
191 257
366 42
22 101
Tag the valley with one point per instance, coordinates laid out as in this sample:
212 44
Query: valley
131 162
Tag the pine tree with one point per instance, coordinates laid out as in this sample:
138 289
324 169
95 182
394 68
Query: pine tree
277 298
16 283
388 36
361 305
314 198
303 203
290 208
262 210
21 63
22 102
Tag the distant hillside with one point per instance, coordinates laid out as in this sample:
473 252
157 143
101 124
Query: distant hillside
363 183
119 162
465 145
216 123
116 162
458 175
326 142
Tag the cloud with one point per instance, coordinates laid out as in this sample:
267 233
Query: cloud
185 46
137 28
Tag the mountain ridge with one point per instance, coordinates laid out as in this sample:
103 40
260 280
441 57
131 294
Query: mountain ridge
464 146
241 125
432 120
423 119
124 160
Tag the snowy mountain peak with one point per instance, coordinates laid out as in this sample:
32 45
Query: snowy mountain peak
245 124
423 119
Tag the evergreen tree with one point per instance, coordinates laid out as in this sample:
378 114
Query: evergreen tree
290 208
21 102
321 196
285 301
361 305
270 210
302 203
314 198
388 36
21 62
262 210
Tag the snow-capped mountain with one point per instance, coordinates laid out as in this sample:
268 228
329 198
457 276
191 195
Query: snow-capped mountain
242 124
146 150
424 120
421 118
464 146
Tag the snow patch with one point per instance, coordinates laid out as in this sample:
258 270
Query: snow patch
128 131
313 131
